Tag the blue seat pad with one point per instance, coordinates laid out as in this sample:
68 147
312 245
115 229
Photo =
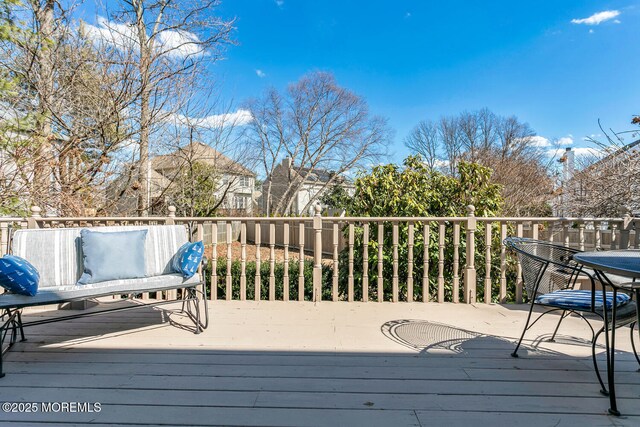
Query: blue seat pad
580 299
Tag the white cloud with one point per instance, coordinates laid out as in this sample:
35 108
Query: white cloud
238 118
261 74
565 140
591 31
407 15
579 152
539 141
279 3
124 36
597 18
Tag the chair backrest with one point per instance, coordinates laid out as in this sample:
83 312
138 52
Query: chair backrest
57 252
545 267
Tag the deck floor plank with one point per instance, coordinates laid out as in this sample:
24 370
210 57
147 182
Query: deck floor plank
275 363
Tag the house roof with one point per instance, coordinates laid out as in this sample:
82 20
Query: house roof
199 152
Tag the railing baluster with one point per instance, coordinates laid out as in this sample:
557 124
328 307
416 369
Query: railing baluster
519 270
598 236
380 261
425 263
566 235
243 261
272 261
503 264
636 231
214 262
4 238
285 277
410 263
365 263
487 263
229 260
456 262
301 264
394 290
534 230
581 235
336 236
614 238
257 283
441 262
350 289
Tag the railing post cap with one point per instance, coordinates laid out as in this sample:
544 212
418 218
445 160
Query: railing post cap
35 211
172 211
471 209
318 209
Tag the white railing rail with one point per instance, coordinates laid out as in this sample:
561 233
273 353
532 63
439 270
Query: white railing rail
366 258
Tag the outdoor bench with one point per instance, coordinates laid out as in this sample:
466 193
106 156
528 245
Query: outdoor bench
57 255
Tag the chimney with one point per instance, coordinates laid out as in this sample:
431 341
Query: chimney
287 162
568 166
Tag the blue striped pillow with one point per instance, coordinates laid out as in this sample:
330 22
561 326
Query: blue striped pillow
580 299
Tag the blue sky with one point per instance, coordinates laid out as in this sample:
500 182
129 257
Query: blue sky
414 60
558 65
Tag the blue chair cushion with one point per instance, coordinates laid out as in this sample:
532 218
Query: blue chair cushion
580 299
188 258
18 275
112 256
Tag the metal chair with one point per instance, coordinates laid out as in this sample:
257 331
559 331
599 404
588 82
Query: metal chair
550 276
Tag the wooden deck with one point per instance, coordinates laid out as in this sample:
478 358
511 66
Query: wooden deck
275 363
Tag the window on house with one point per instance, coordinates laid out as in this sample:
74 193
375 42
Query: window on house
243 181
239 202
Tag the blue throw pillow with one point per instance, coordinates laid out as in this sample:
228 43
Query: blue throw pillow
18 275
188 258
112 256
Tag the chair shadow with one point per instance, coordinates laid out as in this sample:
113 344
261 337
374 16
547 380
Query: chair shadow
430 337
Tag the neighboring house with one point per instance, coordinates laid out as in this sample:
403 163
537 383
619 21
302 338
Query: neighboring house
613 181
314 183
236 181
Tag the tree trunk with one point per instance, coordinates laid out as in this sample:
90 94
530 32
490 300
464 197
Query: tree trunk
41 188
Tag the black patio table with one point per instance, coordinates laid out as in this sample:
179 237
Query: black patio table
625 263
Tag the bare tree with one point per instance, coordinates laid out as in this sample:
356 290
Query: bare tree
67 112
502 143
320 127
451 141
606 182
165 43
423 140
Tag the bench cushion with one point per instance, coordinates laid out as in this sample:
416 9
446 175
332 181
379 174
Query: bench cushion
57 252
57 294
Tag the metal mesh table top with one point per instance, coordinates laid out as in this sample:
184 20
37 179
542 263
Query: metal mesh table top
624 262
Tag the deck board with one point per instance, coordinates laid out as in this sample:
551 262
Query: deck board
275 363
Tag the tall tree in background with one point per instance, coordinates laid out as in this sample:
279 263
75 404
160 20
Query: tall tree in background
504 144
69 106
165 45
318 125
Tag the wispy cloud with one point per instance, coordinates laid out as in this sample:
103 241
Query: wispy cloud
237 118
598 18
565 140
261 74
584 152
279 3
124 36
539 141
407 15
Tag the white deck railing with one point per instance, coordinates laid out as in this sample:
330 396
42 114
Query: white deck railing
367 258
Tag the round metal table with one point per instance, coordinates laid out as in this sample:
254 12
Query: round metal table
625 263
